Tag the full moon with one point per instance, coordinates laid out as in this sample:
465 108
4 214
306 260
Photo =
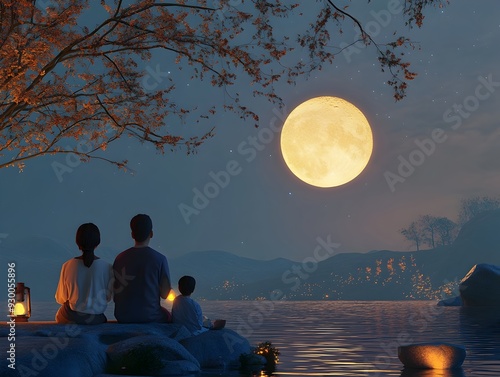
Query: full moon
326 141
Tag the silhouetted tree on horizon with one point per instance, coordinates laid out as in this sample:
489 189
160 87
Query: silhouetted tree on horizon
473 206
428 226
446 230
413 234
441 231
430 230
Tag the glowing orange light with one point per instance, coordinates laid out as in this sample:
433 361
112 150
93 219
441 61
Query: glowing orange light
171 295
19 309
432 356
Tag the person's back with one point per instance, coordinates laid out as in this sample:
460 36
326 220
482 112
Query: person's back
141 277
85 282
185 310
86 288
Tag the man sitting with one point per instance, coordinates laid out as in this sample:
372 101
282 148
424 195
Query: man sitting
142 276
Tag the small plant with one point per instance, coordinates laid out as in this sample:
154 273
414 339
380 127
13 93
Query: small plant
269 352
251 362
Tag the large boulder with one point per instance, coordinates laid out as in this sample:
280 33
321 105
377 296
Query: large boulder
48 349
55 356
481 286
452 301
106 333
150 355
217 348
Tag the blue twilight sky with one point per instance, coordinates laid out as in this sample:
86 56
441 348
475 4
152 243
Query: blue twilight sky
264 212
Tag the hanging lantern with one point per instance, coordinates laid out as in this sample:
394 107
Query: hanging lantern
22 308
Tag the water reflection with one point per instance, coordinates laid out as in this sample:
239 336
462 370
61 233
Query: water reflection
358 339
361 339
481 323
458 372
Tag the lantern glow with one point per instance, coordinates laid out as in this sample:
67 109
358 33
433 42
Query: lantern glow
431 356
22 307
19 309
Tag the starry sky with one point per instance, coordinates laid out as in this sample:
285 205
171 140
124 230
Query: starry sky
447 126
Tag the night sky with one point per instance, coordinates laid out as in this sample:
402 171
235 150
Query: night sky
264 211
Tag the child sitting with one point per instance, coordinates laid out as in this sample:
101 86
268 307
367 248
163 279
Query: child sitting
187 311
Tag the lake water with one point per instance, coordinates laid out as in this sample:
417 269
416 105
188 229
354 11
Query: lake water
344 338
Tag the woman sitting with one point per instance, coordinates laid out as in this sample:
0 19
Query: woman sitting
86 282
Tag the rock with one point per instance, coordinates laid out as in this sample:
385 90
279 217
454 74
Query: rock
252 364
250 359
47 349
152 356
481 286
217 348
113 333
53 356
431 356
107 333
452 301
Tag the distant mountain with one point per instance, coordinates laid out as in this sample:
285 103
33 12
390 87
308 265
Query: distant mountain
376 275
390 275
221 269
38 262
380 275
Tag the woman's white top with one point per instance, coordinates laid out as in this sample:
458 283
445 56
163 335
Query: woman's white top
88 289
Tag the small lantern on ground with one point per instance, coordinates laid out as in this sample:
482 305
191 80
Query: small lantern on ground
22 308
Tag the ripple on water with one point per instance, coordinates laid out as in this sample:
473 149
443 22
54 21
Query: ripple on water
360 338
